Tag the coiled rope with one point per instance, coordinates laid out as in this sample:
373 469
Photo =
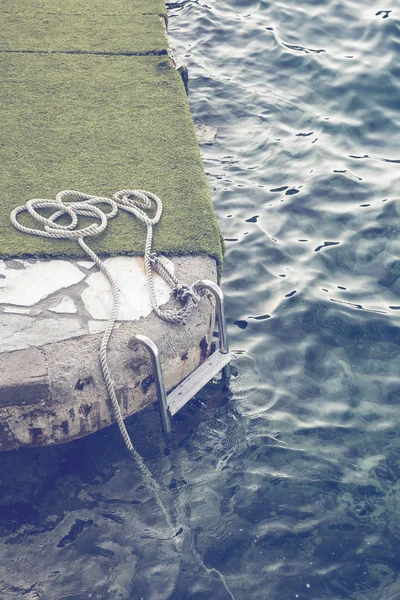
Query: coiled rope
74 204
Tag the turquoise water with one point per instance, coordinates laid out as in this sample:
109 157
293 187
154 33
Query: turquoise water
288 481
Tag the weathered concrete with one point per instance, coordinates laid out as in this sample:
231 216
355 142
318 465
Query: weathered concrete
24 377
53 391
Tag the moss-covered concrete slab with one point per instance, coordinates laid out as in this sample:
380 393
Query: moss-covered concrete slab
91 101
102 33
88 7
120 26
98 124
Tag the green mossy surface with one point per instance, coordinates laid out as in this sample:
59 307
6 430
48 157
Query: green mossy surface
89 7
87 104
122 26
101 33
100 123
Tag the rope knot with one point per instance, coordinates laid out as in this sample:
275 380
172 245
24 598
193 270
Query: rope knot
153 258
185 293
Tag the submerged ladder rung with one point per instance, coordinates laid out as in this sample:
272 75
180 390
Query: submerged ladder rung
196 381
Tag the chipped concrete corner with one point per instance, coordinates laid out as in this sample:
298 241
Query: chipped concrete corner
52 389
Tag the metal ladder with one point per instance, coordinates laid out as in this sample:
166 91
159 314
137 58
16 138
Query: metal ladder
170 404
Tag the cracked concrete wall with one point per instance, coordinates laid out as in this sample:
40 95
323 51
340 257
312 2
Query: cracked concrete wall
54 392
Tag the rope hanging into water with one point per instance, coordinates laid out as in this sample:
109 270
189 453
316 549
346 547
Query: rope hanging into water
75 204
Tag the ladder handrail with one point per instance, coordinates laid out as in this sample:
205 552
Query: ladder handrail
158 378
220 310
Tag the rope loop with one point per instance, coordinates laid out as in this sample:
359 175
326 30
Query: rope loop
67 203
137 201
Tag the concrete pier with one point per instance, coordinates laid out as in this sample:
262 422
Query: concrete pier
92 101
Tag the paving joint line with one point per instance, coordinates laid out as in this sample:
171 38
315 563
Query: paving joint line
162 52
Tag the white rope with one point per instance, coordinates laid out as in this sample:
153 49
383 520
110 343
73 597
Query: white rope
75 204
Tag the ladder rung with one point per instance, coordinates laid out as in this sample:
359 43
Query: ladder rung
196 380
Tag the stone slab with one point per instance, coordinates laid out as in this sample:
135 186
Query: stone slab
130 274
24 331
46 301
20 286
23 377
76 33
86 7
66 306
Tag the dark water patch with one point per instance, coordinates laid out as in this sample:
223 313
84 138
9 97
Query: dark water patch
75 530
388 160
325 245
280 189
383 13
242 324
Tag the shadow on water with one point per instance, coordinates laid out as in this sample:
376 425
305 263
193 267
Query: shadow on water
76 521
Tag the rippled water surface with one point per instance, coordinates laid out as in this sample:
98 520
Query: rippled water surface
287 484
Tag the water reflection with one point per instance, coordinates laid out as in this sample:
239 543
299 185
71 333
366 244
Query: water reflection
303 174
